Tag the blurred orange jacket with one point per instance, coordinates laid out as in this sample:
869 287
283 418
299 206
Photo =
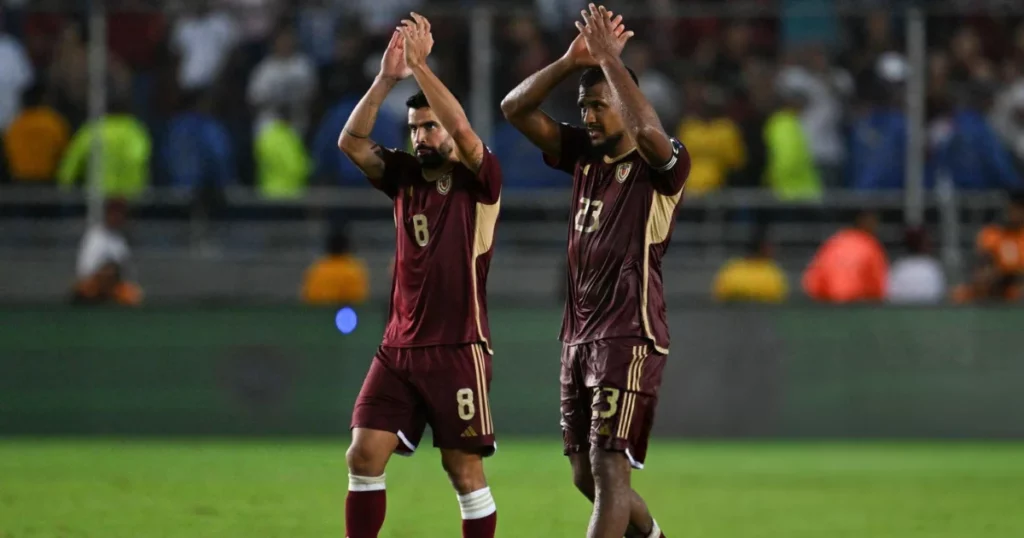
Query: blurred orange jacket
851 266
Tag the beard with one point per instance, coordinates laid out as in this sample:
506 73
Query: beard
607 146
430 158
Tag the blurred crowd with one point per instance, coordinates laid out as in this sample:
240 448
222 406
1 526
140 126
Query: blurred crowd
254 92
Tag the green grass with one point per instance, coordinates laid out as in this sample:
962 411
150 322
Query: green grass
202 489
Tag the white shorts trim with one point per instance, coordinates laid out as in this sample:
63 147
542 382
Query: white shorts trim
405 441
632 462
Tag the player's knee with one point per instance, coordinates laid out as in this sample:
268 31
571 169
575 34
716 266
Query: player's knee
365 461
466 473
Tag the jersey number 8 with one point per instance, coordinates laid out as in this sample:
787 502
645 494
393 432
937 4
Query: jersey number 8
420 229
588 218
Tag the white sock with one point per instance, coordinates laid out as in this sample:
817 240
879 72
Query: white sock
478 504
365 483
655 531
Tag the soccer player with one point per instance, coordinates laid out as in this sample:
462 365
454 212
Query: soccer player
628 178
434 365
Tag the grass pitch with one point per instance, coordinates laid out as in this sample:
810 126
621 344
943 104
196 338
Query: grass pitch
204 489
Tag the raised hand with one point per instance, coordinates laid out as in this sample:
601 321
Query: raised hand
418 41
601 34
578 51
392 65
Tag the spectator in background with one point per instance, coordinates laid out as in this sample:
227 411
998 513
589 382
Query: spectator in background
851 266
713 139
286 79
790 171
105 241
126 153
16 75
1007 118
342 76
105 287
282 164
655 85
825 89
69 74
755 278
917 278
339 278
999 273
203 39
35 141
879 142
197 151
972 154
379 17
334 167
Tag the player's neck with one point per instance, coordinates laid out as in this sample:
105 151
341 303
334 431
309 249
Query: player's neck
620 150
433 174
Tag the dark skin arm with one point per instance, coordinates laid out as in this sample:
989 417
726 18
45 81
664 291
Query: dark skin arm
641 121
521 106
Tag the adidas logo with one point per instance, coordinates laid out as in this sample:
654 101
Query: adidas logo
604 430
470 432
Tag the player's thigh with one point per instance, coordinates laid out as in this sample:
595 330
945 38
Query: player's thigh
389 403
575 400
454 381
624 376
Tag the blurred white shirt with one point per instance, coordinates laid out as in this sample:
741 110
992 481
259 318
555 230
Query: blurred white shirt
16 74
916 280
288 83
100 245
823 116
204 44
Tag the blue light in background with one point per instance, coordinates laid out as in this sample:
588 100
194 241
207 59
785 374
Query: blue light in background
346 320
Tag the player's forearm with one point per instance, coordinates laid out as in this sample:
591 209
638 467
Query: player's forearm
640 119
360 124
530 94
449 112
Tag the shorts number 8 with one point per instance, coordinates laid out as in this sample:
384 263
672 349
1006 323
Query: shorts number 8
467 405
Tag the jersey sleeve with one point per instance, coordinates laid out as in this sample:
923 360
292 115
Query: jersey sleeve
671 178
489 178
398 165
575 145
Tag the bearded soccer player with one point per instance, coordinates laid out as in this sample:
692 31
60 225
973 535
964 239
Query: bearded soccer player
434 365
628 178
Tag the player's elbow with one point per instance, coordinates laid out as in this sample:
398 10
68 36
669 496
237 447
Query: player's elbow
348 143
511 108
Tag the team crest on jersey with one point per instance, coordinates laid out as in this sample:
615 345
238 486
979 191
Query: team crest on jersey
444 184
622 172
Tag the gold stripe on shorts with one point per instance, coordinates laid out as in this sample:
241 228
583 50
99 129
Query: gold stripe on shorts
633 380
483 405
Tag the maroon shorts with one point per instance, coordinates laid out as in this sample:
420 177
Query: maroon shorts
444 386
609 393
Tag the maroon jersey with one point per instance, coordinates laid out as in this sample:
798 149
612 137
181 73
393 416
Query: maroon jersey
623 215
444 238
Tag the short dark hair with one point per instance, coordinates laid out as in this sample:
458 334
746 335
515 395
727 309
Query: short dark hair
595 75
417 101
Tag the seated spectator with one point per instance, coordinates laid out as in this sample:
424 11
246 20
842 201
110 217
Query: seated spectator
713 139
282 164
197 150
106 286
973 154
332 164
878 147
16 75
755 278
851 266
917 278
999 273
35 141
790 171
126 153
105 241
285 79
339 278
